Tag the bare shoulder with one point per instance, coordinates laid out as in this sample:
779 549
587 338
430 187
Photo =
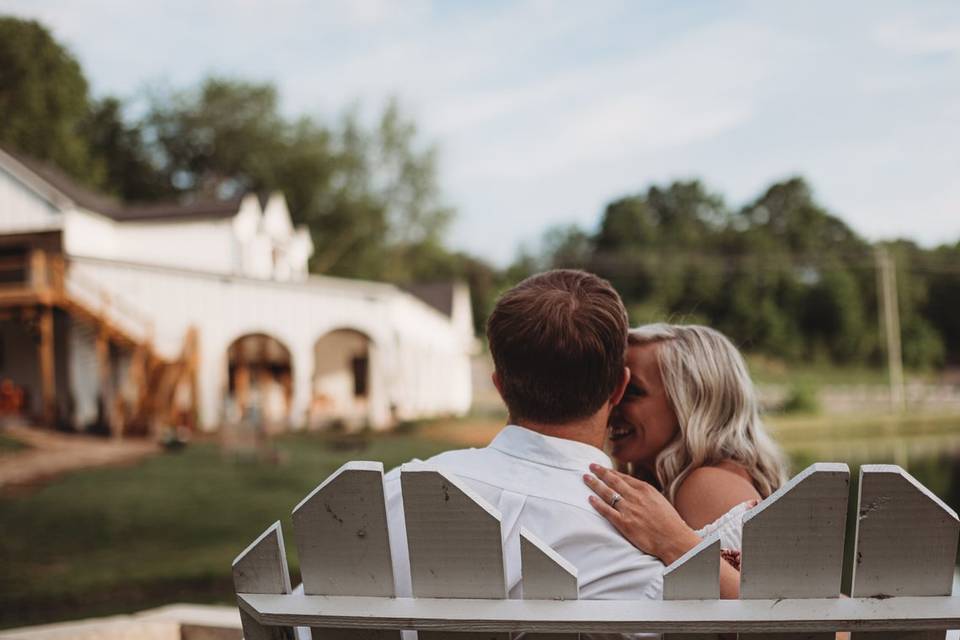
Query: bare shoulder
709 492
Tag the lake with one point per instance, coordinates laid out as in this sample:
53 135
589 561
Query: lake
928 448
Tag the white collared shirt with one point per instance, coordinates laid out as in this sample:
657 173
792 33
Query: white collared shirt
535 481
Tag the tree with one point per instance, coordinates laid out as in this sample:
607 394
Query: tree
119 147
369 195
43 99
941 306
567 246
220 139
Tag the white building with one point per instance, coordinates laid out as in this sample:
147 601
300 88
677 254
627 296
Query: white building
136 317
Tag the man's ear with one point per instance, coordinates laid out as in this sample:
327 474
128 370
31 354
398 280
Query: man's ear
620 389
495 378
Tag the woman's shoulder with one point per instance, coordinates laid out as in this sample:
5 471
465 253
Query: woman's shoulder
726 472
731 466
712 490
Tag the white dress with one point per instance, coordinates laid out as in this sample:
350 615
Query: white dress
730 526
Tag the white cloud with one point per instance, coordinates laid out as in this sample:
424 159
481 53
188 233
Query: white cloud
911 36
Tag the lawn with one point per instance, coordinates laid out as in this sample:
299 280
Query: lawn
765 370
123 539
10 445
115 540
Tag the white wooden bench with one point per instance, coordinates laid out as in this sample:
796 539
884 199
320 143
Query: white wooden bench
793 546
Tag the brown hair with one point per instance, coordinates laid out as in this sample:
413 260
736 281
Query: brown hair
558 341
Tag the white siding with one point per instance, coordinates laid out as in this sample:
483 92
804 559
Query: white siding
88 234
84 373
207 245
418 365
22 209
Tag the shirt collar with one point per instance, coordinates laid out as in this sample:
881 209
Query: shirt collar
526 444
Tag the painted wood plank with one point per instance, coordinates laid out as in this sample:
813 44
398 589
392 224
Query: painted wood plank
793 540
610 616
454 541
546 576
262 569
340 529
694 576
906 541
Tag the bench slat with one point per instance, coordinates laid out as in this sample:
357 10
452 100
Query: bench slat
340 530
609 616
546 576
694 576
906 541
906 544
262 568
793 540
454 540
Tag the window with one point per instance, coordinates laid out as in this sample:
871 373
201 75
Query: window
360 366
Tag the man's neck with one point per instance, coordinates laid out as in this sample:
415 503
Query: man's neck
589 431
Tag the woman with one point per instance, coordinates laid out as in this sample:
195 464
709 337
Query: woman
689 431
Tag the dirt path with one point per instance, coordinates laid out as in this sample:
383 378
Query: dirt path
464 432
51 454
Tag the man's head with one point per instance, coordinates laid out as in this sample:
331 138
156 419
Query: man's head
558 341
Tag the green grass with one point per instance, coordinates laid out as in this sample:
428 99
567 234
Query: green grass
765 370
10 445
123 539
116 540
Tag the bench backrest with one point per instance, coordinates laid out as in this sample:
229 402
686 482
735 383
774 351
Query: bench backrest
793 550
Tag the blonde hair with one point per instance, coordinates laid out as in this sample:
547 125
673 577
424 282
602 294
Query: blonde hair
709 388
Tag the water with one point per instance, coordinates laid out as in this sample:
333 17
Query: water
929 452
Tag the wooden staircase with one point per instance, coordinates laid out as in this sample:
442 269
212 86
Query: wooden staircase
36 283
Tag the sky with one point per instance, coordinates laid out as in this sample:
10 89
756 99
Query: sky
544 111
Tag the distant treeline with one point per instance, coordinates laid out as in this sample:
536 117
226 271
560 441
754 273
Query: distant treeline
780 275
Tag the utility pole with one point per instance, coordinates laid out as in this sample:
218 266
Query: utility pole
889 311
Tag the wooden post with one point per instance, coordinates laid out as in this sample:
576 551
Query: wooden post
48 385
193 369
890 322
38 270
106 390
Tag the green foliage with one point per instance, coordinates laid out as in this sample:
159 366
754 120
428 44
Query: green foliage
368 194
43 98
780 276
367 191
122 153
219 139
941 307
11 445
801 399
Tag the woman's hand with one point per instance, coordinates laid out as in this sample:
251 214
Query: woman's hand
642 515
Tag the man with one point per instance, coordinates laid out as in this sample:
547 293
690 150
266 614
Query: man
558 341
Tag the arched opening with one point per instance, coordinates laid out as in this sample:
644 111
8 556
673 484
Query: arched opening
342 380
260 381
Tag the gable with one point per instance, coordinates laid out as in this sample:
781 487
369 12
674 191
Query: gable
24 207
